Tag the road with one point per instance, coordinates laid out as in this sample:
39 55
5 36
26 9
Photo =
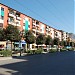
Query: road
59 63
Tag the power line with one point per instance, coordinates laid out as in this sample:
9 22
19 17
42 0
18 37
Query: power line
43 5
57 9
34 12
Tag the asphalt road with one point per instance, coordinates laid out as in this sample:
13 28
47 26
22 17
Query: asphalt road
59 63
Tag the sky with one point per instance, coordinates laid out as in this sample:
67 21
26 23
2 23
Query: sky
58 14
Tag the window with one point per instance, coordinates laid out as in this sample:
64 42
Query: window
40 29
29 26
11 12
37 22
33 21
2 9
17 23
18 14
23 24
11 19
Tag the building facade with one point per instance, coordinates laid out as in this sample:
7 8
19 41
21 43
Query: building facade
9 16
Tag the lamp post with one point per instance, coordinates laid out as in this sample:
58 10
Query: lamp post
21 34
7 44
20 47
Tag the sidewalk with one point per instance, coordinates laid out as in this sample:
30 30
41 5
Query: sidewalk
5 58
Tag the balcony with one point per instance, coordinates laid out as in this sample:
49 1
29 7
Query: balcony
34 23
46 28
47 33
18 18
33 27
37 31
18 25
12 15
23 27
28 23
37 25
12 23
34 34
1 21
28 28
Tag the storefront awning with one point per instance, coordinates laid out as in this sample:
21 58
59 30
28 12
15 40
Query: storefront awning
24 42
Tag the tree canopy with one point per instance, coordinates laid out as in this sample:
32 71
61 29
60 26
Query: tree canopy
29 37
48 40
40 39
56 41
10 33
2 35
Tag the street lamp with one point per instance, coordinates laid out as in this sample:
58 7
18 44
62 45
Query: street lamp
7 44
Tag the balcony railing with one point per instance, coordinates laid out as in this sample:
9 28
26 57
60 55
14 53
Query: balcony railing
37 25
12 15
34 23
33 27
12 23
18 18
18 25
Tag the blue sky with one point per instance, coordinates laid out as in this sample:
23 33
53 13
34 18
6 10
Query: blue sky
56 13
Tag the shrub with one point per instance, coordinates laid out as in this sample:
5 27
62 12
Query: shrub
39 51
29 52
53 50
6 53
63 49
0 52
71 49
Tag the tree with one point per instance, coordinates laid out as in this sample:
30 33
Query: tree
72 44
29 37
12 34
56 41
68 41
2 35
48 40
40 39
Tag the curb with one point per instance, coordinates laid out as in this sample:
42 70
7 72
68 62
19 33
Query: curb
5 58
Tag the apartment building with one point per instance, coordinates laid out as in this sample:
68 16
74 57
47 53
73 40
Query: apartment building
9 16
58 34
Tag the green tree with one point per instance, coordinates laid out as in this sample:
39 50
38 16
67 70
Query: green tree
40 39
2 35
72 44
12 34
56 41
29 37
48 40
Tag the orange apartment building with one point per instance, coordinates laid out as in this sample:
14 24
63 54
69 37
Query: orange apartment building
9 16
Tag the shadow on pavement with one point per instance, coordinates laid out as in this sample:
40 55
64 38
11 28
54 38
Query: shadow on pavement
59 63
